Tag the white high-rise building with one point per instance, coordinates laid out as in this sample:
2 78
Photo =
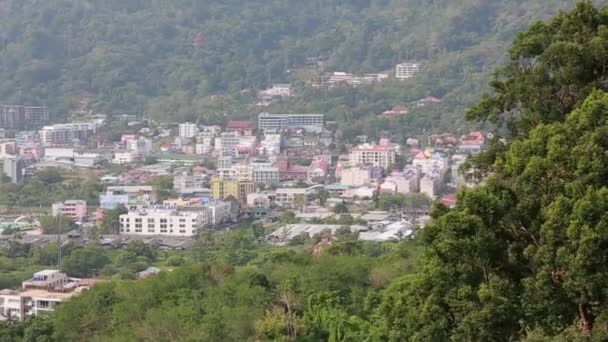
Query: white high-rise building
406 70
278 122
168 222
367 154
188 130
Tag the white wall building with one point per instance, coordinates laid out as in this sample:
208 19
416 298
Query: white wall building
190 184
289 197
61 134
164 221
187 130
355 176
279 122
368 154
406 70
123 157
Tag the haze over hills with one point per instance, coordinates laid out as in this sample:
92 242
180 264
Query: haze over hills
168 58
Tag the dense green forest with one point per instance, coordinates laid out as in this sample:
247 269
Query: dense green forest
522 257
190 59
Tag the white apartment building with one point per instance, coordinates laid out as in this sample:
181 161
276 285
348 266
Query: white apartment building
271 144
368 154
220 212
290 197
406 70
41 294
265 174
227 144
279 122
61 134
190 184
164 221
123 157
187 130
355 176
224 162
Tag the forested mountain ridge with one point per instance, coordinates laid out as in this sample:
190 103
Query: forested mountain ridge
167 58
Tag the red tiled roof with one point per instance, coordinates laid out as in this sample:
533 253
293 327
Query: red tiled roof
237 124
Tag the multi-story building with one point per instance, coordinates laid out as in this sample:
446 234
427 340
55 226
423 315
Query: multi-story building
279 122
224 162
227 144
118 195
355 175
190 184
164 221
12 167
318 168
187 130
271 144
123 157
36 116
277 90
406 70
367 154
42 294
243 128
222 189
295 198
75 210
62 134
265 173
12 117
258 200
221 212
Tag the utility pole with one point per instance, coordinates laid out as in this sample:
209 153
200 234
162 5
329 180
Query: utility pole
59 242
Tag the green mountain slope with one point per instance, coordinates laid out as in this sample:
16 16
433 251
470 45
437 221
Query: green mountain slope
169 57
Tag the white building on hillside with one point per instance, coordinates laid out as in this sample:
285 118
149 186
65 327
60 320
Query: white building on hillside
188 130
406 70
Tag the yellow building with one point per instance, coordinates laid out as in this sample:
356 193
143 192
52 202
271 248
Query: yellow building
224 188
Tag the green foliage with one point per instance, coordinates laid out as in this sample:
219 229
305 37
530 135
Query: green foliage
85 262
52 225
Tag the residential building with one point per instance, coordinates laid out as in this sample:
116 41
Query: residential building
264 172
355 175
164 221
243 128
75 210
227 144
119 195
367 154
36 116
187 130
12 117
277 90
258 200
279 122
294 198
62 134
190 184
271 144
42 294
123 157
474 142
406 70
88 159
319 168
221 212
12 167
222 189
224 162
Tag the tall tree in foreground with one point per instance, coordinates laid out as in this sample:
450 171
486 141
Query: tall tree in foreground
528 250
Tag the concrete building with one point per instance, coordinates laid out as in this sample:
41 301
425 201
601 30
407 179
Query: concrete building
279 122
190 184
42 294
164 221
75 210
227 144
88 159
187 130
222 189
62 134
355 176
123 157
118 195
277 90
271 144
258 200
294 198
12 167
367 154
264 173
406 70
243 128
319 168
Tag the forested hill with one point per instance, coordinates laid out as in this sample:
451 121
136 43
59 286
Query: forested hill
163 56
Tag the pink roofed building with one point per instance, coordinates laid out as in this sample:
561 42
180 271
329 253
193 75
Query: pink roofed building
244 128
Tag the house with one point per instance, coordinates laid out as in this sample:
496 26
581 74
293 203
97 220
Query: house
76 210
395 112
406 70
244 128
